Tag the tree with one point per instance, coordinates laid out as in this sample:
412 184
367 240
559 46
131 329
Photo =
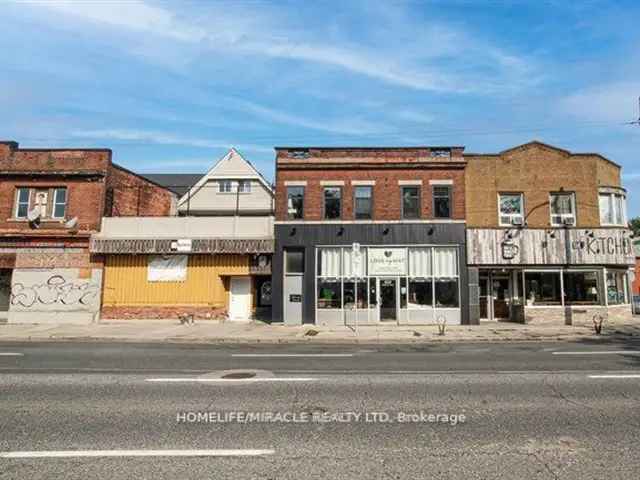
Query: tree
634 224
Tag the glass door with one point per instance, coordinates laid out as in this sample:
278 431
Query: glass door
388 300
501 298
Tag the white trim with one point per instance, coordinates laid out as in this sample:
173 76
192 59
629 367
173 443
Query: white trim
295 183
363 182
409 182
347 222
441 182
332 183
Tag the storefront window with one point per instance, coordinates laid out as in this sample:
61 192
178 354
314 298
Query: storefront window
581 288
329 264
446 293
329 294
403 293
542 288
355 295
420 293
616 288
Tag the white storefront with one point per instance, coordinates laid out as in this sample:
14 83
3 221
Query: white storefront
387 284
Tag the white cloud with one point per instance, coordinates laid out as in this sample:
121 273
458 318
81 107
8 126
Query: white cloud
163 138
350 127
415 62
612 102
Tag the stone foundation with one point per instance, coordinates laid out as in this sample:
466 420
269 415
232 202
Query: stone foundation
576 315
162 312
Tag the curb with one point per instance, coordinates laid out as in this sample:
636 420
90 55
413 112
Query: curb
317 341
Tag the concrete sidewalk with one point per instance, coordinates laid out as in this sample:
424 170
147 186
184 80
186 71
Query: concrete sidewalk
154 331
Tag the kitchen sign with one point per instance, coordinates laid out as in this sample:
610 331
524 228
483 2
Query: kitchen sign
387 261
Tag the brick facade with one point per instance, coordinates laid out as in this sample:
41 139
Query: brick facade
536 170
53 277
135 196
385 167
93 182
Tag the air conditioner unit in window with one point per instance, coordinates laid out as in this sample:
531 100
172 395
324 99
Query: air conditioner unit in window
568 221
518 221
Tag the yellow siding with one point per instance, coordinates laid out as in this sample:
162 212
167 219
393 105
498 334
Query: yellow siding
125 281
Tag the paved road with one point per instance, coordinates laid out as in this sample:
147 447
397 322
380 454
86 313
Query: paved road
530 411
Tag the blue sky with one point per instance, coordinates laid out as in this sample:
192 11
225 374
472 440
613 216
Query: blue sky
169 86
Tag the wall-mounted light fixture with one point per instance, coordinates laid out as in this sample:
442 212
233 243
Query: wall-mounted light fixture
385 231
292 232
430 231
340 231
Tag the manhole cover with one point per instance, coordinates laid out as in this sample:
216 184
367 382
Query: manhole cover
239 375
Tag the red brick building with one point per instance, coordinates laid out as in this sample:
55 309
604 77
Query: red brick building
51 201
369 235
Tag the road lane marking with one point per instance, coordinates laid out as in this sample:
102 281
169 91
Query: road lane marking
616 376
290 355
601 352
11 354
136 453
230 380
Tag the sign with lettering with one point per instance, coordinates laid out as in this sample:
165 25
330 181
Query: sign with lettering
557 246
387 261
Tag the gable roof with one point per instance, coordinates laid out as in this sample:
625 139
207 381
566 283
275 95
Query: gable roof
231 165
179 183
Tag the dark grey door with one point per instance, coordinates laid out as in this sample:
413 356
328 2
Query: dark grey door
388 300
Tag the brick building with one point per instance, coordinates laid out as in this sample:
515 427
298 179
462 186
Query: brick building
547 236
370 235
51 201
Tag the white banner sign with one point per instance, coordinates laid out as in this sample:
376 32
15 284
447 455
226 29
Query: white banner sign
387 261
172 268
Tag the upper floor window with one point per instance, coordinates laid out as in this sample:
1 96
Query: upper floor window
442 201
332 203
244 186
410 202
22 202
511 209
225 186
363 202
295 203
613 209
563 209
59 207
47 202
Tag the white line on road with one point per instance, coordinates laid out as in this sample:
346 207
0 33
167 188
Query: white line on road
136 453
231 380
287 355
11 354
615 376
600 352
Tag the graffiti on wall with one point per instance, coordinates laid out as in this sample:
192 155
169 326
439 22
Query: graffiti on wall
55 291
